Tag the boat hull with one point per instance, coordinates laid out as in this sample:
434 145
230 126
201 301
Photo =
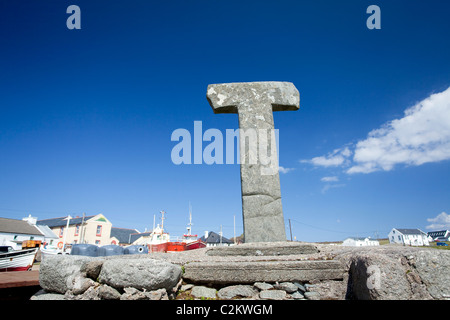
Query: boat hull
160 247
176 246
20 260
195 245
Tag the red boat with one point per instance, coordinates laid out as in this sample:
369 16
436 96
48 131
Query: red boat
159 241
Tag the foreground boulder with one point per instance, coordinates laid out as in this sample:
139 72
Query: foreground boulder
106 278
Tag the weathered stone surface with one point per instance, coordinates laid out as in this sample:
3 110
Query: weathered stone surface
59 273
264 249
231 292
272 295
203 292
108 293
289 287
43 295
92 268
261 196
312 295
297 296
133 294
263 286
262 271
147 274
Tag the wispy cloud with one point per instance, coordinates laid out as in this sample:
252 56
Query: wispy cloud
421 136
330 179
329 186
441 221
336 158
284 170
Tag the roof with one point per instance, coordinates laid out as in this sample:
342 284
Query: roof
215 238
62 221
122 234
47 232
410 231
437 233
135 236
18 226
357 238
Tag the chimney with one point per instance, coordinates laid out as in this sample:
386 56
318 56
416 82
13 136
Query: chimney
206 235
31 220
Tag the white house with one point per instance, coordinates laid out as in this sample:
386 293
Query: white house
360 242
14 232
213 239
410 237
443 235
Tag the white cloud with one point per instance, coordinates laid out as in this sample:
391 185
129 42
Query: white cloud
330 179
284 170
336 158
421 136
441 221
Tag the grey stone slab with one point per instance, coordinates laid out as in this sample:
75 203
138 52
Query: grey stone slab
203 292
262 271
266 249
272 295
254 103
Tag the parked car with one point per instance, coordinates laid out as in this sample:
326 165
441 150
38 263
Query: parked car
441 244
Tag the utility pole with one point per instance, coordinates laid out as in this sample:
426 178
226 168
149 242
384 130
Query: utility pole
82 229
234 228
290 229
65 233
220 234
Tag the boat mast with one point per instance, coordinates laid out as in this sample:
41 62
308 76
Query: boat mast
162 221
189 228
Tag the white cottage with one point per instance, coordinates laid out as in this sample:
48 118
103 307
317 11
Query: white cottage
360 242
410 237
14 232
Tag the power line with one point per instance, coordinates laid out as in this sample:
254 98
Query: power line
337 231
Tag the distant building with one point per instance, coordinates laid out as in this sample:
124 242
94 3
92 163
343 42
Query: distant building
14 232
443 235
90 229
213 239
410 237
360 242
122 236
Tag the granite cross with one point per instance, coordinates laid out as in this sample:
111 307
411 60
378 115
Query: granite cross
261 195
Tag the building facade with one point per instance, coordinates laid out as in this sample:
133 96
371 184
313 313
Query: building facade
360 242
408 237
89 229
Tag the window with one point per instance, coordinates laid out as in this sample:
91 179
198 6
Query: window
99 230
61 231
77 229
399 238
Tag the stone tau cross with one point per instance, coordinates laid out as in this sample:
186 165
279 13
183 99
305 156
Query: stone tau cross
254 103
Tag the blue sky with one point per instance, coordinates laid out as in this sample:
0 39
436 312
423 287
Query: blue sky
86 115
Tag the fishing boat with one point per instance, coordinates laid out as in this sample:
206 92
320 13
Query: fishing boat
191 241
16 260
159 240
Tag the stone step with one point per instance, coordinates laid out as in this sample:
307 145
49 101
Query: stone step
264 249
224 272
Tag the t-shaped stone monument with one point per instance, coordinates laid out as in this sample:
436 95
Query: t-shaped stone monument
261 195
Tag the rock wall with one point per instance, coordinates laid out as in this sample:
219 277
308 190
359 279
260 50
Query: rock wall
269 273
